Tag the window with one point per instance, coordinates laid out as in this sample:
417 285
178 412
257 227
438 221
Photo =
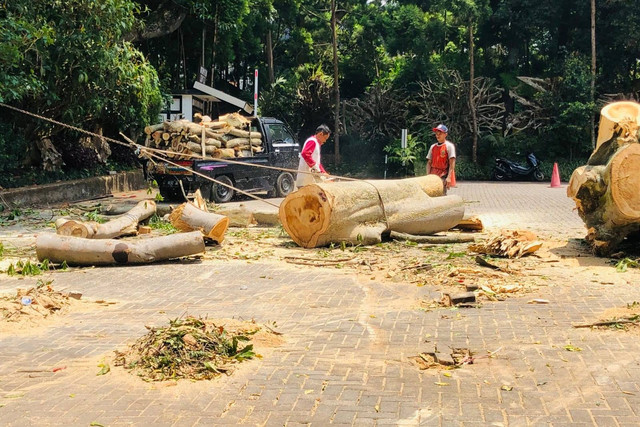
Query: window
280 134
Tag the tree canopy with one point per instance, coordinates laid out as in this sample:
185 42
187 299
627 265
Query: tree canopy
402 64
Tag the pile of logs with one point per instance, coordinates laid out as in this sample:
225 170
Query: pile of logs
228 136
91 243
607 189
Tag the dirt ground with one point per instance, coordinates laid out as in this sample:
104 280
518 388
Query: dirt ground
445 268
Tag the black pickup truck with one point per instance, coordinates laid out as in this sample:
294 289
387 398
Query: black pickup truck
280 149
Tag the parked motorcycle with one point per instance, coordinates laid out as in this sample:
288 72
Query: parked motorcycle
508 170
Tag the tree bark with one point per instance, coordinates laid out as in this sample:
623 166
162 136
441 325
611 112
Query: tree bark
593 70
127 224
269 49
188 217
472 105
607 190
336 84
359 212
76 251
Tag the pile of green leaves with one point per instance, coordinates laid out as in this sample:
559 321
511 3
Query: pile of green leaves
190 348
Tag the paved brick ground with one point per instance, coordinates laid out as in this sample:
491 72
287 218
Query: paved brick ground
345 359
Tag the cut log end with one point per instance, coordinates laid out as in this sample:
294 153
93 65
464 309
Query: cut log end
306 215
625 181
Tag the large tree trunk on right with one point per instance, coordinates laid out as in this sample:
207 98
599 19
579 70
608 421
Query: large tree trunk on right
360 212
607 189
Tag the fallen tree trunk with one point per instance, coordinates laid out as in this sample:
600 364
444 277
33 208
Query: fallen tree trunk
77 251
607 189
188 217
125 225
359 212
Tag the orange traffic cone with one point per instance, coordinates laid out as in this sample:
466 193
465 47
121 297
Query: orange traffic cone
453 178
555 177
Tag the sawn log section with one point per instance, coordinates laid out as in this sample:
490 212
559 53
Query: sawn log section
360 212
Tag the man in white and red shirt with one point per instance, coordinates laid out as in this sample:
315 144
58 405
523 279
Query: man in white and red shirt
310 157
441 158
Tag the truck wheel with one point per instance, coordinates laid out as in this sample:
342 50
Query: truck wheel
284 184
220 193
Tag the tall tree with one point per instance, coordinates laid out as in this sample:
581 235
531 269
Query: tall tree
593 70
336 83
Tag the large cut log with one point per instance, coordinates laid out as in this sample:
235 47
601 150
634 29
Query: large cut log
612 114
77 251
188 217
607 190
124 225
360 212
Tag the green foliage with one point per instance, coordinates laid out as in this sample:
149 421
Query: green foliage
95 216
188 348
28 268
1 250
67 59
405 155
157 223
467 170
625 263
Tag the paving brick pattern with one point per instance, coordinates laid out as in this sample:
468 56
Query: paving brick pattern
345 360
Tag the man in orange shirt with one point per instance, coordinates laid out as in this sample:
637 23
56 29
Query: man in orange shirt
441 158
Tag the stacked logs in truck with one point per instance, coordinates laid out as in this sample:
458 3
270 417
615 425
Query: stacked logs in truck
607 189
228 136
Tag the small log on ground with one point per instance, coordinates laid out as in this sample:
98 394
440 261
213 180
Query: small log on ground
77 251
188 217
359 212
607 189
447 239
469 224
125 225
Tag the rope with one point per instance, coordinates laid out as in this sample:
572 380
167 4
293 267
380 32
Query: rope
150 152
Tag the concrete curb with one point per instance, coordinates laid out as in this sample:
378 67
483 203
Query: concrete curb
72 191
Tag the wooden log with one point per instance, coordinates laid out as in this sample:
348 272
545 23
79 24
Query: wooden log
236 142
612 115
236 120
359 212
188 217
222 153
192 128
77 251
458 238
469 224
196 148
244 133
127 224
153 128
